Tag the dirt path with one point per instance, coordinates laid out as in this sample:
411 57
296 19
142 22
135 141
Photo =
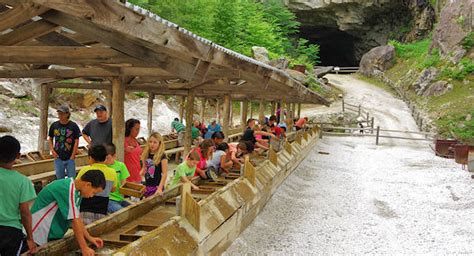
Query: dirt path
396 198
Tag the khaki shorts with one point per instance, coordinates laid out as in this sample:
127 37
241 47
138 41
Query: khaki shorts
180 139
89 217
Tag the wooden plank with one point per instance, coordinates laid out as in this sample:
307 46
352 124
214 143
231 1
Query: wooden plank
27 32
203 107
273 157
57 39
85 86
19 14
298 138
127 45
118 117
185 189
288 147
249 171
305 135
192 211
60 55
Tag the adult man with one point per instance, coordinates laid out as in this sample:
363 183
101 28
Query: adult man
99 130
63 141
178 127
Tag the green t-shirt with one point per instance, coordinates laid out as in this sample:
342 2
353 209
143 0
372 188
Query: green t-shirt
15 189
54 209
182 170
195 132
179 127
122 174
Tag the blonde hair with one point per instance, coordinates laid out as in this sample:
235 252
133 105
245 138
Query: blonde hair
160 152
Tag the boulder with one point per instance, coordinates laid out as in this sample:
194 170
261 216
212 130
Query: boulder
322 71
379 58
452 28
298 76
260 54
424 80
438 88
280 63
15 87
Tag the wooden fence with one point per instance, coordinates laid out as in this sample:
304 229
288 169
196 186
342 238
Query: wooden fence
369 132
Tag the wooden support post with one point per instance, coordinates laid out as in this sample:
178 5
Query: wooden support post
189 123
273 110
372 125
343 105
151 97
299 110
43 131
377 136
203 107
243 118
218 112
321 131
226 121
261 112
108 101
231 118
293 110
249 171
118 118
280 107
272 156
288 147
359 112
181 108
251 109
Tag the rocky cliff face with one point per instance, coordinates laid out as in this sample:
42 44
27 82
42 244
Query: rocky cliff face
346 29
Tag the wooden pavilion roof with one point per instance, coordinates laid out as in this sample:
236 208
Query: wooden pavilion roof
92 41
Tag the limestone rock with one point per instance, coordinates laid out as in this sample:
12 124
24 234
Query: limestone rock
280 63
322 71
424 80
15 87
468 117
4 129
379 58
260 54
438 88
298 76
452 27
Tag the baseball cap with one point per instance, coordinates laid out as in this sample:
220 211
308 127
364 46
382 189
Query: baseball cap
100 107
63 109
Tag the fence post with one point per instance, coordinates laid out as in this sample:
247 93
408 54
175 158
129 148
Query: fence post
372 126
368 118
377 136
321 132
359 109
342 105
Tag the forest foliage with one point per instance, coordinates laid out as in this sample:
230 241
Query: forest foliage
239 25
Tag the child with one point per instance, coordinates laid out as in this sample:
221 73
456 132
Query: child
205 152
186 169
95 208
116 199
221 159
17 194
57 207
155 165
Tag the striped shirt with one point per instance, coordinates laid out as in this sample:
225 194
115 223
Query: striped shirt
179 127
54 209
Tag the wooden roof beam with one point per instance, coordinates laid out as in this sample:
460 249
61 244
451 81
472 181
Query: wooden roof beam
20 13
27 32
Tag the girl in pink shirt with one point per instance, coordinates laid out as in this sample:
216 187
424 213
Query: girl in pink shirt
133 150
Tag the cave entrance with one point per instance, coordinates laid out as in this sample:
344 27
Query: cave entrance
337 48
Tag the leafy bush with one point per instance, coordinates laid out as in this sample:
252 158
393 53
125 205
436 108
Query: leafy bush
239 25
468 41
411 50
431 60
465 68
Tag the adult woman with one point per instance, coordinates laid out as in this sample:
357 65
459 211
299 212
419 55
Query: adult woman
133 150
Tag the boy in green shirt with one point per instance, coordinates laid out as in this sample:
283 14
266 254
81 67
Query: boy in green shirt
116 199
57 207
186 169
16 193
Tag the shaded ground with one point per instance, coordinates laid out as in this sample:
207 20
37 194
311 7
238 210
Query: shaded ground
397 198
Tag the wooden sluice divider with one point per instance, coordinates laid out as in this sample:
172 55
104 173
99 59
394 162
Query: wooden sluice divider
249 171
190 208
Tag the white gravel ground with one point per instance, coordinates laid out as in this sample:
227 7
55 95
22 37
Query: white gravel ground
396 198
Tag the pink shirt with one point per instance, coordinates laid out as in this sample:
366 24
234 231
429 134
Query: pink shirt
132 160
300 123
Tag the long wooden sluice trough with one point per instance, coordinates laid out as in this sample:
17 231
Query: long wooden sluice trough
203 222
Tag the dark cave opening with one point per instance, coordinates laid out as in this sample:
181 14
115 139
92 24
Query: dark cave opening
337 48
